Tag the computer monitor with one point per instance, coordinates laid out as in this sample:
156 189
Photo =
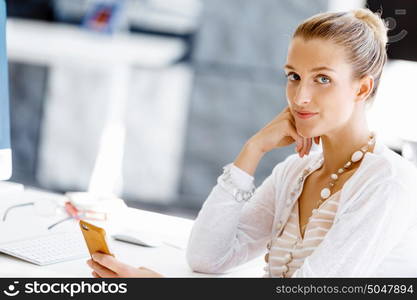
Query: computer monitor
5 147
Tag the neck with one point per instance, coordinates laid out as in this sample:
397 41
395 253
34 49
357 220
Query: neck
338 146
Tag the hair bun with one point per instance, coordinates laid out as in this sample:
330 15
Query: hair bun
374 21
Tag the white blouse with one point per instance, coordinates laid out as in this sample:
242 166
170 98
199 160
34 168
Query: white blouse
374 232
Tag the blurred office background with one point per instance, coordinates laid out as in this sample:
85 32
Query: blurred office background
153 107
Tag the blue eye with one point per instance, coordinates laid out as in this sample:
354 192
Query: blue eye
327 80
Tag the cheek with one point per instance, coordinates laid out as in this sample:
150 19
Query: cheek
332 95
324 100
330 101
336 105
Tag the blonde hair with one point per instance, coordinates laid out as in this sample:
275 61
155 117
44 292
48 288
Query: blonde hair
360 31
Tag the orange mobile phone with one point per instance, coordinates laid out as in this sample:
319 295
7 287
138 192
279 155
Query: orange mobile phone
95 237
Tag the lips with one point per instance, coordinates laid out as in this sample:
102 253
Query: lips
305 114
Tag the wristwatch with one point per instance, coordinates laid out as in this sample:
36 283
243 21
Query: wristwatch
226 181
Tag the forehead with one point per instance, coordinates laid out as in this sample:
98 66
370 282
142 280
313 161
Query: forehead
305 55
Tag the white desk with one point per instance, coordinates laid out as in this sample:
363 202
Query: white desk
167 260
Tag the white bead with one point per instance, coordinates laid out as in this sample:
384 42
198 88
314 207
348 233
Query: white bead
347 165
340 171
334 176
357 156
325 193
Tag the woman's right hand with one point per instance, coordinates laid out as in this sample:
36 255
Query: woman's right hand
280 132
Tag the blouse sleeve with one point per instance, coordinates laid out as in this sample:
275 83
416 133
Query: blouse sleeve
228 233
363 235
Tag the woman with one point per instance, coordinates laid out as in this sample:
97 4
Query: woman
347 211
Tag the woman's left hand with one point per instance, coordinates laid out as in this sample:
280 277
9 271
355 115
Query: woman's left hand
107 266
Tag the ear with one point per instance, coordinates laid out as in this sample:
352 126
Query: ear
365 87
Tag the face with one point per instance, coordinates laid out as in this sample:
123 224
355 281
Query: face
319 80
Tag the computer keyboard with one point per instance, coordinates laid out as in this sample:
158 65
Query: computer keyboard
48 249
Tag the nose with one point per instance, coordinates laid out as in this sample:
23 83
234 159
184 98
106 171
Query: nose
302 95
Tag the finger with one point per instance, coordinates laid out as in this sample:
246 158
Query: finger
109 262
295 136
102 271
309 144
306 146
90 262
300 149
95 275
304 150
145 272
301 144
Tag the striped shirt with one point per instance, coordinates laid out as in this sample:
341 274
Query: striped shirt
288 250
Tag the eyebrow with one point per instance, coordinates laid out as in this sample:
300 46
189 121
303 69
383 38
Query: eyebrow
312 70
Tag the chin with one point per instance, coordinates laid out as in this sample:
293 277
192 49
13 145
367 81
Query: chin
306 132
